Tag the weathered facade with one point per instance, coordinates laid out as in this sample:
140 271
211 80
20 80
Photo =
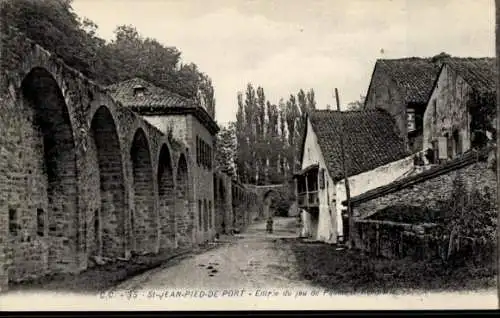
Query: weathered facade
402 87
371 146
455 112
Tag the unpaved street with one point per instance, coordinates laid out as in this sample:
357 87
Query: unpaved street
250 260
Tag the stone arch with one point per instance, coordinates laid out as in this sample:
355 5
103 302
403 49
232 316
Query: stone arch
143 223
109 218
52 168
182 213
166 198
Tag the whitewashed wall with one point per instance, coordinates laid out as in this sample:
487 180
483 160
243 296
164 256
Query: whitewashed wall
323 228
369 180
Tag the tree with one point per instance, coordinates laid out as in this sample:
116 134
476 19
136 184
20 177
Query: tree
302 101
311 102
55 26
357 105
225 149
269 136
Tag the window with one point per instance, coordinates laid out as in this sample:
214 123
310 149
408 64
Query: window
210 157
442 147
205 215
204 147
13 222
457 142
200 216
40 218
434 112
198 150
96 226
410 117
210 221
327 193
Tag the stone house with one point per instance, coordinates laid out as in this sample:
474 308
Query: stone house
402 87
374 155
460 113
190 123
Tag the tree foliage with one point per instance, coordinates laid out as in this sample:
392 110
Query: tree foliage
226 150
469 214
55 26
357 104
269 135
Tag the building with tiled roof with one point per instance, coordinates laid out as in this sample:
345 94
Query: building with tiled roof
139 94
184 120
461 110
403 87
373 153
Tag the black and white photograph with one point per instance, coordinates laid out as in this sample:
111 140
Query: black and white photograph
248 155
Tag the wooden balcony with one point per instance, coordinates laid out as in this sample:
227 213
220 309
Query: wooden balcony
308 199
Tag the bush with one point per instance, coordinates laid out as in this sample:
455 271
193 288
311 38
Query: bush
470 215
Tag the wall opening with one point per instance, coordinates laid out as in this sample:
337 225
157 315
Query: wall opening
57 171
166 199
210 215
40 222
205 215
143 217
97 234
182 213
200 216
13 224
112 189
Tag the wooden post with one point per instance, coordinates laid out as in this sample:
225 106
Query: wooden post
350 242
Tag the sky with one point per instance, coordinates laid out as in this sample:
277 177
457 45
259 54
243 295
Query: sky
286 45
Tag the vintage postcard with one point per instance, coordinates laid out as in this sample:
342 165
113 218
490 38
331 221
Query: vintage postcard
248 155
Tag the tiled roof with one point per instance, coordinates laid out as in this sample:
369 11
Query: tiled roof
414 76
370 139
153 97
480 73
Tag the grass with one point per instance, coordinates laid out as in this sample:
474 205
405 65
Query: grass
348 271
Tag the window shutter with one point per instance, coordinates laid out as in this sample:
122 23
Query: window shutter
442 148
322 178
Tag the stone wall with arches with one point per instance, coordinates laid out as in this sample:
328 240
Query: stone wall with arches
81 178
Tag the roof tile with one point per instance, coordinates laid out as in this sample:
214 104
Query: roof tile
154 96
415 76
370 139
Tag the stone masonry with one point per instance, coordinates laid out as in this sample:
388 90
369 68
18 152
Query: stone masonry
428 189
80 176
